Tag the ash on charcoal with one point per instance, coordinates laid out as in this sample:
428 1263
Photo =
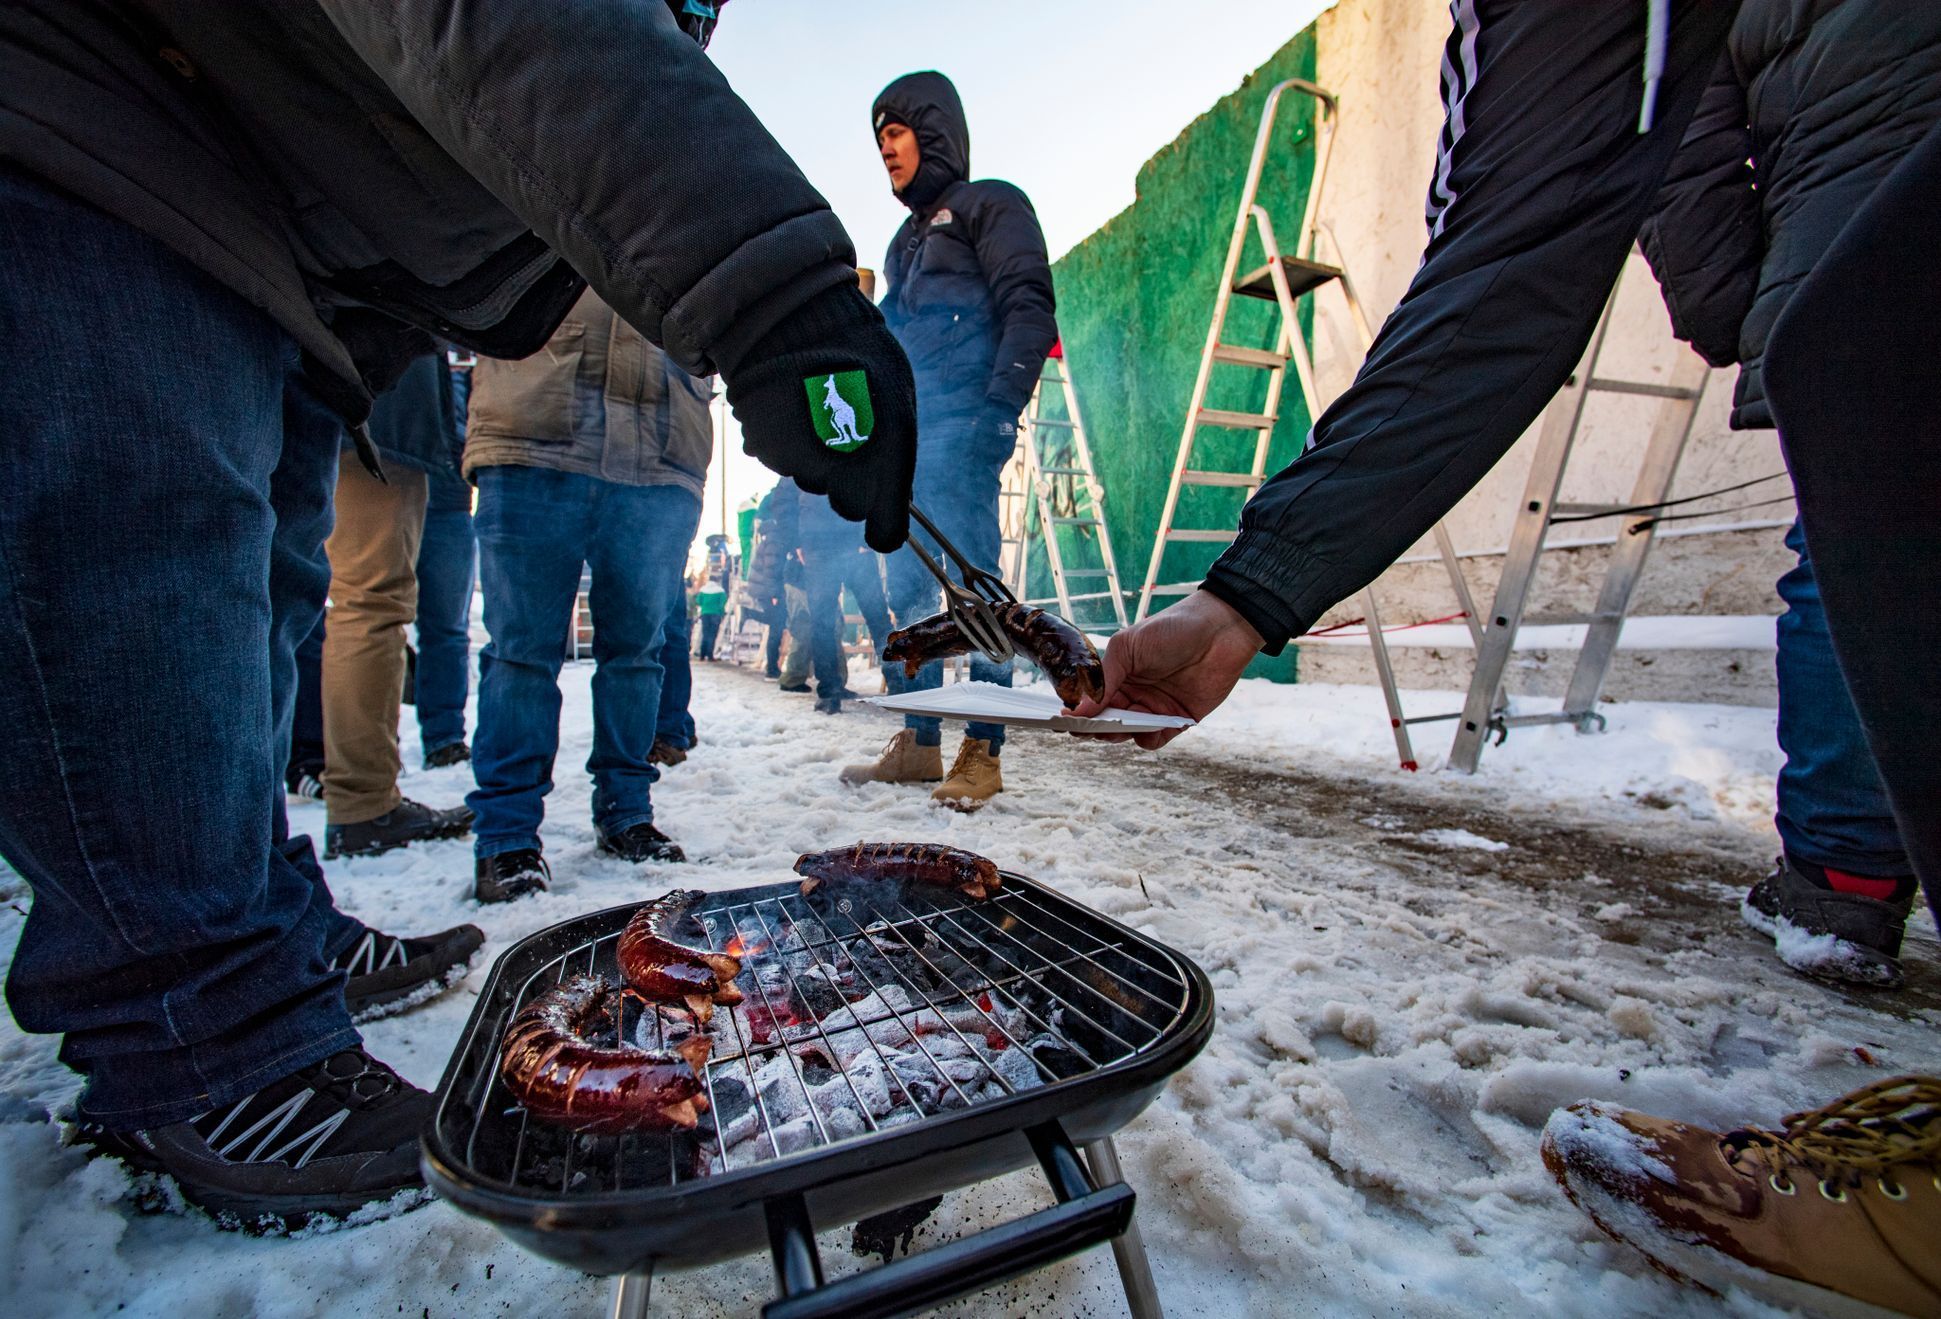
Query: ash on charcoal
1060 1061
814 994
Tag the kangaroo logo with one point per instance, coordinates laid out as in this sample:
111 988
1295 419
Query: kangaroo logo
840 406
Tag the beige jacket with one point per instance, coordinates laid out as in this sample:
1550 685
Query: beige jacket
599 400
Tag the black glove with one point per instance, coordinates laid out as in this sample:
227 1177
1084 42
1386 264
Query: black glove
995 432
827 398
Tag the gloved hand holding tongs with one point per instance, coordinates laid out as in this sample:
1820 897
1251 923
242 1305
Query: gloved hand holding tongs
835 366
969 605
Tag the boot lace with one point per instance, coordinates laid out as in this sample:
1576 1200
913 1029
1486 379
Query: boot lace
1892 1126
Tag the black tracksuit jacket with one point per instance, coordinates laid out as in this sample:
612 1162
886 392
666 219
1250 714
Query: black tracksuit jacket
1542 180
970 295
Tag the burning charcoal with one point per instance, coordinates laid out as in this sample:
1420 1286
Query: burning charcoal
844 1122
800 1134
1059 1060
871 1082
731 1100
815 995
966 1072
1018 1069
817 1070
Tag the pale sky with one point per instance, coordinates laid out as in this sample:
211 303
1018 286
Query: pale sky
1066 99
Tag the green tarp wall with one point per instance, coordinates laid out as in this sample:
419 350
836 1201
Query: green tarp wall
1134 303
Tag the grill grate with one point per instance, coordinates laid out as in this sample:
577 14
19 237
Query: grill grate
932 990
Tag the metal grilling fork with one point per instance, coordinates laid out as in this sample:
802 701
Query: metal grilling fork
969 605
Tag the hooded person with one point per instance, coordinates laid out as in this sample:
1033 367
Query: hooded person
970 299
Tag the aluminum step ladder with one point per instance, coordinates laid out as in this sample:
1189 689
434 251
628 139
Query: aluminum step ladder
1282 280
1485 709
1056 469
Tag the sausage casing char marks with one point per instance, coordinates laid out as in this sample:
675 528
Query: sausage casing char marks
549 1061
924 863
1051 643
661 967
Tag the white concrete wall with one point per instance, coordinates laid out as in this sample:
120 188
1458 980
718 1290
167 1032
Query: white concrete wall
1381 58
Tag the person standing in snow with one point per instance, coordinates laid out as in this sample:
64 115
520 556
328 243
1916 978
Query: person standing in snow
970 298
1811 108
186 346
373 551
447 573
1553 154
591 453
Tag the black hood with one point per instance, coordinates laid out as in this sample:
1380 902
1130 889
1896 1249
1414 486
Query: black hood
927 103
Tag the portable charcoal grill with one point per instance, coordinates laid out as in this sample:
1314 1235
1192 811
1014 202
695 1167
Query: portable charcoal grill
895 1042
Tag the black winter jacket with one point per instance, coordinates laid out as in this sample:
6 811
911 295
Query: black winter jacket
970 295
1813 104
369 172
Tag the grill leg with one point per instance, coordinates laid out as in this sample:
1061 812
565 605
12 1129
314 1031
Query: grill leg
630 1292
1135 1271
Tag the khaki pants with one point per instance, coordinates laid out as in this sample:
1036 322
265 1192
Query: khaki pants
373 597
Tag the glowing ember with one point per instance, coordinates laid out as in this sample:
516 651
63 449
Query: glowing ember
740 947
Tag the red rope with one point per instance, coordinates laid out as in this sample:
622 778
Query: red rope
1399 627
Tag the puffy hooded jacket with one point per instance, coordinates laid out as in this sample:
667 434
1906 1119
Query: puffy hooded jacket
374 173
970 294
1813 104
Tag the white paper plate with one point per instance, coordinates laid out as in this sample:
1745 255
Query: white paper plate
988 703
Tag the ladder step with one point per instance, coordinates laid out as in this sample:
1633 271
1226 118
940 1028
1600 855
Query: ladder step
1073 522
1175 588
1088 595
1087 572
1239 480
1240 421
1064 423
1226 352
1063 471
1302 277
1639 387
1207 536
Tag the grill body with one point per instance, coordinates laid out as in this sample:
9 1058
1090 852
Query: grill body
1131 1011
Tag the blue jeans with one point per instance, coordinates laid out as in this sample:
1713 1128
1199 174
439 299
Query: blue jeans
826 570
447 559
675 724
958 490
168 488
1833 810
536 529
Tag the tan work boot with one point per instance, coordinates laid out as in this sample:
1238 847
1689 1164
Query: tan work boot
1838 1212
902 761
974 779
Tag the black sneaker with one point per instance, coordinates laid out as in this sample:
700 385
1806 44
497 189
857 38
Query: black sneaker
406 823
641 842
795 688
452 753
305 781
325 1141
510 875
828 705
1821 932
664 752
389 975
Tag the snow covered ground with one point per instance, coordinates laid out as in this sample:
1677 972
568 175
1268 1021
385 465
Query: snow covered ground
1412 970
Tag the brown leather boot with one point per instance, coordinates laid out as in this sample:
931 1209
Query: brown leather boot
974 779
902 761
1838 1211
